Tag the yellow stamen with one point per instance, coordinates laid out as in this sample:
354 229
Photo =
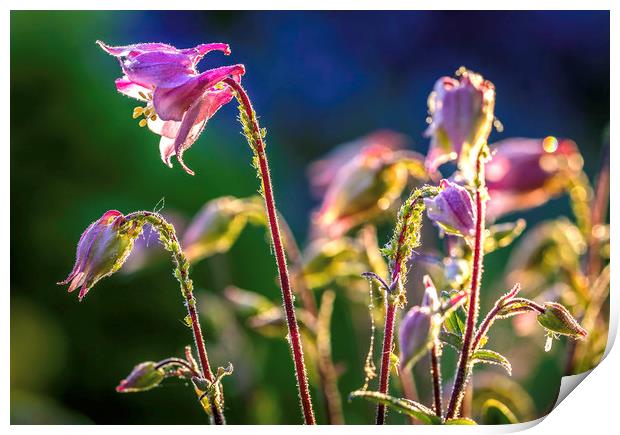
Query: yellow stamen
142 94
142 123
153 117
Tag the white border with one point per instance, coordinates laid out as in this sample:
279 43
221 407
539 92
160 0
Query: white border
592 409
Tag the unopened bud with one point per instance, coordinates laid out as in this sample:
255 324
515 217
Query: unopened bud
143 377
416 334
452 209
558 320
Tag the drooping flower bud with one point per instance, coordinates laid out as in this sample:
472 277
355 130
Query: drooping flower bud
101 251
557 319
461 119
526 173
322 172
363 188
416 334
218 225
452 209
143 377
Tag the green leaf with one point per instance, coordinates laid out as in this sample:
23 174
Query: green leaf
461 421
451 339
495 412
502 235
404 406
486 356
455 321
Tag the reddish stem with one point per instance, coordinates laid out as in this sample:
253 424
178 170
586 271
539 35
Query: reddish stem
436 374
287 295
474 293
385 358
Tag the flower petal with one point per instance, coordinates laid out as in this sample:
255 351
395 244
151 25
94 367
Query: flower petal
166 149
195 120
159 68
168 129
131 89
172 103
134 49
198 52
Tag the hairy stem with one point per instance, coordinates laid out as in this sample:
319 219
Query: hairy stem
436 374
384 377
492 315
254 136
170 242
464 367
406 239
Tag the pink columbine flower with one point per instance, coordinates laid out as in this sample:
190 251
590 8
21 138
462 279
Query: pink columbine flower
461 119
452 209
179 99
101 251
526 173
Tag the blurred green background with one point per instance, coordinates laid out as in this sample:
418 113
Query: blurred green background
317 79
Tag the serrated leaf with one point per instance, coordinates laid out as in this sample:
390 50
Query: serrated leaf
486 356
451 339
495 412
404 406
461 421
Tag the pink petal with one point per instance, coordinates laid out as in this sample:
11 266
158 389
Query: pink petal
126 50
195 120
131 89
168 129
166 149
171 104
199 51
167 69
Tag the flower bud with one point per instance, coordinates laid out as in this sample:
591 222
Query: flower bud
218 225
143 377
452 209
549 163
363 188
322 172
416 334
461 119
430 298
557 319
101 251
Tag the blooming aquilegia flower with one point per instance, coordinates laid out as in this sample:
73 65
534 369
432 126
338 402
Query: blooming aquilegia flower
179 100
526 173
452 209
461 118
101 251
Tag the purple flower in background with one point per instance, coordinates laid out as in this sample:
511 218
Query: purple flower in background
179 100
526 173
452 209
101 251
461 119
322 172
